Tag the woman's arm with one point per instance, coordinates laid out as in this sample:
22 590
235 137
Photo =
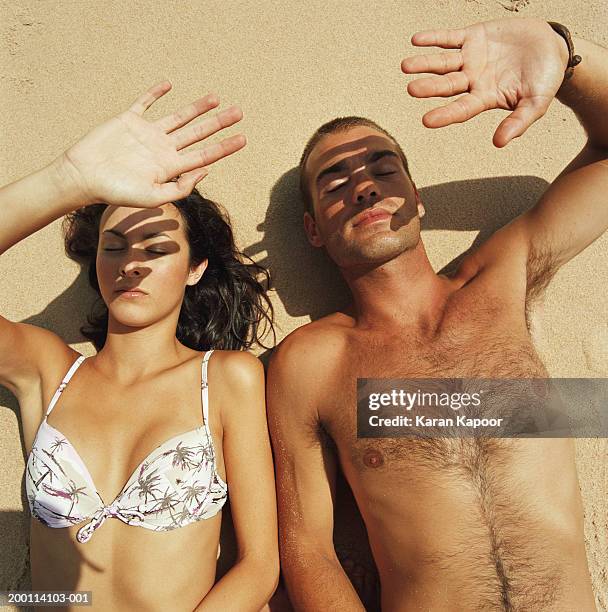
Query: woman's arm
126 161
250 583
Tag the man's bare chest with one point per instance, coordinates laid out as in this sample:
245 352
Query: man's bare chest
481 343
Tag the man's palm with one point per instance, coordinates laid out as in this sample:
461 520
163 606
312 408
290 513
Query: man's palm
495 68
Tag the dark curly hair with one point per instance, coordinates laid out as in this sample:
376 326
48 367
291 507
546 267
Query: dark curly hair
227 309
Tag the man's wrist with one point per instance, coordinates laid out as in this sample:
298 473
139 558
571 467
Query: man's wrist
569 58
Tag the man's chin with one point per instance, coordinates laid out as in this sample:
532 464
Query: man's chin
371 257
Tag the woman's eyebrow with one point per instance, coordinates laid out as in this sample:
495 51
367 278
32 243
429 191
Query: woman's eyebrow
145 237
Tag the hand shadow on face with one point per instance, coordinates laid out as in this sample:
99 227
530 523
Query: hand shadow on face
306 280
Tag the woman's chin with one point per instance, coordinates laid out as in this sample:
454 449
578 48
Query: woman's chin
124 321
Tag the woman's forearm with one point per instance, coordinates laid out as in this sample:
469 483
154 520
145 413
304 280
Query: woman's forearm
247 586
31 203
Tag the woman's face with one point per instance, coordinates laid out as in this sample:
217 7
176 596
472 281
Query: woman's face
143 263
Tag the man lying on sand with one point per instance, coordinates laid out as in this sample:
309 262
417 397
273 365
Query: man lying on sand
462 524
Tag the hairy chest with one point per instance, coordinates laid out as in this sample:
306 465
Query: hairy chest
474 341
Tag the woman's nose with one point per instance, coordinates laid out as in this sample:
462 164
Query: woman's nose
130 268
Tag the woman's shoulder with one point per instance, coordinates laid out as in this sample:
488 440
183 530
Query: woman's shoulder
237 379
238 368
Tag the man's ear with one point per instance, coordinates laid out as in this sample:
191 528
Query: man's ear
419 204
197 272
312 231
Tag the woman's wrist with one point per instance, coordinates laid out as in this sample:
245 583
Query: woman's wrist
69 191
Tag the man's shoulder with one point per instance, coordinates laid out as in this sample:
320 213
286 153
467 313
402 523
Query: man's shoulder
303 367
314 345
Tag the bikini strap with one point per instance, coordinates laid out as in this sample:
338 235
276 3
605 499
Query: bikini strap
64 383
205 387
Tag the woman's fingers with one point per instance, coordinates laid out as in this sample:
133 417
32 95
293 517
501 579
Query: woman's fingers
458 111
188 113
447 85
203 157
193 168
447 39
149 97
181 188
195 133
439 63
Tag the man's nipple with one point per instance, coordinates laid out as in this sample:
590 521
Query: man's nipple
373 458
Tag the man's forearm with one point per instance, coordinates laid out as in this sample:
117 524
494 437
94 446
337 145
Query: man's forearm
316 583
586 93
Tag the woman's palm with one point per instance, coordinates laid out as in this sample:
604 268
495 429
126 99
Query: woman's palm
130 161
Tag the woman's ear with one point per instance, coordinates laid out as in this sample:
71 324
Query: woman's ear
197 272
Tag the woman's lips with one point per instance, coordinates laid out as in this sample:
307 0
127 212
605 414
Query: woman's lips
130 293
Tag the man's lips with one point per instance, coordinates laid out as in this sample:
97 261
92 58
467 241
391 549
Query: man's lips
370 216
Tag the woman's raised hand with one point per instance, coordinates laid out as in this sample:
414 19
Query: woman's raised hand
130 161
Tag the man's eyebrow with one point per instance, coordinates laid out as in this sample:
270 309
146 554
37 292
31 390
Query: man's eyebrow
333 169
341 165
376 155
145 237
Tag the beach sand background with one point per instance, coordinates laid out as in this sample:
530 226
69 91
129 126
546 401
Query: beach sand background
68 65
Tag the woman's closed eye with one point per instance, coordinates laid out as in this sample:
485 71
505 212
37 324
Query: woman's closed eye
155 251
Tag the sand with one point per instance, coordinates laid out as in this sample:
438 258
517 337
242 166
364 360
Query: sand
291 66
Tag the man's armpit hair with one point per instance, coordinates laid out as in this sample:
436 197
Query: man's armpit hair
316 434
540 269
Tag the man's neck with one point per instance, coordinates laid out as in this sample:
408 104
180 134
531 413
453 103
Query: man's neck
403 292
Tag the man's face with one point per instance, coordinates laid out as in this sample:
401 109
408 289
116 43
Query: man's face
365 205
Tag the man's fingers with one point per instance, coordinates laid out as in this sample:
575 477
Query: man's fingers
519 120
211 154
188 113
439 63
195 133
447 39
149 97
447 85
458 111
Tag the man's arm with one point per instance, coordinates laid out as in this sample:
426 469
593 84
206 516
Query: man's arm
305 475
527 59
573 212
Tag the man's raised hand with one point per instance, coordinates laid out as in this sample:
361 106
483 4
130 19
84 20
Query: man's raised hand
130 161
513 64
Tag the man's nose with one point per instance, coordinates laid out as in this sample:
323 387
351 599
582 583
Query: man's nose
366 192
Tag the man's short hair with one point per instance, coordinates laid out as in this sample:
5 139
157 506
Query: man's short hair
339 124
